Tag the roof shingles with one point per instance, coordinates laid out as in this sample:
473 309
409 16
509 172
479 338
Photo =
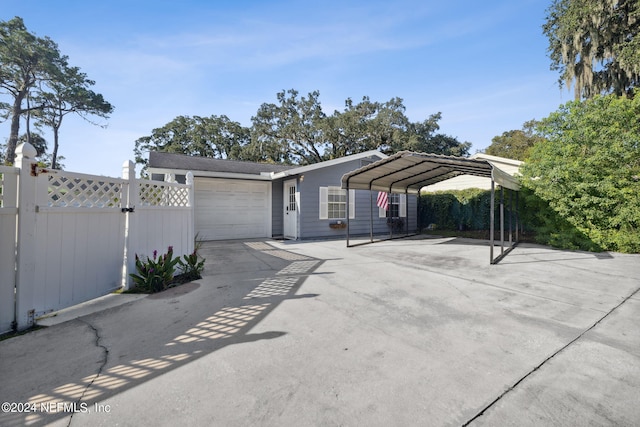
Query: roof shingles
161 160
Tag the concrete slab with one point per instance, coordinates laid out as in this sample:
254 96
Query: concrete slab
86 308
404 332
595 381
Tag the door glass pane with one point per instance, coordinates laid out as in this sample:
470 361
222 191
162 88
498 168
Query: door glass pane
292 198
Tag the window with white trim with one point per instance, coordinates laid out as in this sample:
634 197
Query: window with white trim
333 203
397 207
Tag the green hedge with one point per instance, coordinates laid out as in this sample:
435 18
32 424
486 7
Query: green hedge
456 210
470 210
549 227
588 171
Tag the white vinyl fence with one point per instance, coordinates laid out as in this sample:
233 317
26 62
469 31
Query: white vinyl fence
8 223
66 238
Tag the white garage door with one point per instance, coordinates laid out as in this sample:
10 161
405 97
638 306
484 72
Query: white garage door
232 209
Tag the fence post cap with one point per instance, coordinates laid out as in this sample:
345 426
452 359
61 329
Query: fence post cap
26 151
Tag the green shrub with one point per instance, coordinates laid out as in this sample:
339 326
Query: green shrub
588 171
154 274
191 266
580 184
470 210
456 209
159 273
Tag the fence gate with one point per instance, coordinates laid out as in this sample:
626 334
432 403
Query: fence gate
73 237
79 238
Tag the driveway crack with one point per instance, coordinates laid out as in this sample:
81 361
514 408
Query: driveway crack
561 349
103 363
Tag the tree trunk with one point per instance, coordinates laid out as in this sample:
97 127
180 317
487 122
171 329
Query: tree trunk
54 155
16 110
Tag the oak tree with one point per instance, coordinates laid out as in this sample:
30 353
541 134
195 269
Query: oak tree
515 144
594 45
214 136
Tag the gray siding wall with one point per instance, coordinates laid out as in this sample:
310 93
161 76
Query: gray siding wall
277 204
311 226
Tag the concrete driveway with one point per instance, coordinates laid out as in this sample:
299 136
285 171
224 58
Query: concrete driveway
404 332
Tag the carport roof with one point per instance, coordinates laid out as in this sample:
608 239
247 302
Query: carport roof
409 171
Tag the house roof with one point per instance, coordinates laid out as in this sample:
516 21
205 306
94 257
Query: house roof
500 164
327 163
496 159
160 162
410 171
181 162
509 166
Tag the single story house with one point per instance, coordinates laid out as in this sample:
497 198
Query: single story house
239 200
501 164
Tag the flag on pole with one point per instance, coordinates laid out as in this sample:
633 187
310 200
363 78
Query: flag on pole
383 200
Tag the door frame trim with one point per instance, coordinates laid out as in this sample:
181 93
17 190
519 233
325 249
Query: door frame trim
285 202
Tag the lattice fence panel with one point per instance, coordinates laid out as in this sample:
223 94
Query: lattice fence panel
8 186
163 194
83 192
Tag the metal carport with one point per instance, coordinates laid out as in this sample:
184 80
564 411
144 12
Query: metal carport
407 172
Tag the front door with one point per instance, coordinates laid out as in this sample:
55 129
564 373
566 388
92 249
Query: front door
290 210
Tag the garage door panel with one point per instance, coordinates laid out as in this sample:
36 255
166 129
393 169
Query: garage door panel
225 232
231 209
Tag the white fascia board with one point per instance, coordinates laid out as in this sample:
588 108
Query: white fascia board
208 174
489 158
327 163
504 179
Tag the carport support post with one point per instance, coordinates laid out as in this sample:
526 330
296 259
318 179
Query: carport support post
390 216
406 208
510 217
517 215
348 213
501 220
370 213
492 220
419 212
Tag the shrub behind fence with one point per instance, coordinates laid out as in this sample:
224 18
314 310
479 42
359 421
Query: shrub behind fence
456 209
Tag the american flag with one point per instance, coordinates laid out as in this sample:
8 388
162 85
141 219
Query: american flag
383 200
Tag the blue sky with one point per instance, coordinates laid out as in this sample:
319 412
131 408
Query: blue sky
483 65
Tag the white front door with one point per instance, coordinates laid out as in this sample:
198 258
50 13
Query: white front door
290 210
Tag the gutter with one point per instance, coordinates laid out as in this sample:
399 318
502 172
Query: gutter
202 174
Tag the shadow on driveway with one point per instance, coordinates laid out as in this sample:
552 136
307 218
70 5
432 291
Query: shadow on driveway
68 369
